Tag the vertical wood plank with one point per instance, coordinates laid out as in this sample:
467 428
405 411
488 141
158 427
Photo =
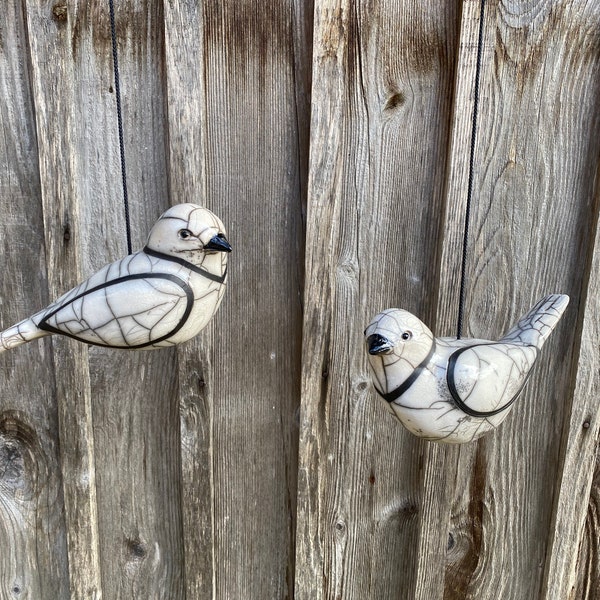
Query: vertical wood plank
575 519
253 180
235 145
382 79
535 159
57 122
588 560
186 93
446 467
459 151
134 394
33 560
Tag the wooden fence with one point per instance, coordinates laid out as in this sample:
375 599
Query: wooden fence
333 138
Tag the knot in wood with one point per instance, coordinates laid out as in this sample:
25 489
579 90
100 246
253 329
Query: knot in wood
12 463
451 541
360 384
348 270
18 466
136 549
395 100
59 11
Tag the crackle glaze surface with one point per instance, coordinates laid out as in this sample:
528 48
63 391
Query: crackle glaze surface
160 296
454 390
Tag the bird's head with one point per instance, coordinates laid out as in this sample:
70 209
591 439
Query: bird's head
397 342
193 233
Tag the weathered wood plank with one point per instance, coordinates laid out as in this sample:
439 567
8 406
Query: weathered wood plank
575 520
134 394
234 124
536 154
33 560
382 79
137 442
184 55
459 159
442 473
588 560
58 121
136 429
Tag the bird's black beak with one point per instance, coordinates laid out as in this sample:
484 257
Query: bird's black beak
378 344
218 243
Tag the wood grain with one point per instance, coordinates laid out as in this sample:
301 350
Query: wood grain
235 131
135 399
34 558
256 461
187 152
137 454
382 79
575 518
588 558
536 152
57 133
447 468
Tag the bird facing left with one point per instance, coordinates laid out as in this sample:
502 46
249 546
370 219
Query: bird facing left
162 295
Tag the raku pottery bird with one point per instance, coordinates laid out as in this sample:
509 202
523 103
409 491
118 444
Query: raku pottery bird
454 390
160 296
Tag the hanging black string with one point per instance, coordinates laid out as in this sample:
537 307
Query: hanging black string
463 270
113 32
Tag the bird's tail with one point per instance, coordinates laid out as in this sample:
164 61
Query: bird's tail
18 334
536 326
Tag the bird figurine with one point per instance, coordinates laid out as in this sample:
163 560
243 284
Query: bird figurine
160 296
454 390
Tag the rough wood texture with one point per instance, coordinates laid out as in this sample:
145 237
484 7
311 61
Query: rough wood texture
536 155
33 560
184 473
187 153
134 394
235 143
382 78
575 520
60 178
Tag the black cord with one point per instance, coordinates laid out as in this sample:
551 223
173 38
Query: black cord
461 301
113 32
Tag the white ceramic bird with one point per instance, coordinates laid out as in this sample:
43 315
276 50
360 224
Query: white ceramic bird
454 390
160 296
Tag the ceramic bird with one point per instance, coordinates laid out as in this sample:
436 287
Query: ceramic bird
160 296
454 390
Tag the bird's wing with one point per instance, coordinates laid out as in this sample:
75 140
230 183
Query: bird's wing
485 379
133 311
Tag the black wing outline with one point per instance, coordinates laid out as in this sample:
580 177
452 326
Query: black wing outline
43 324
454 391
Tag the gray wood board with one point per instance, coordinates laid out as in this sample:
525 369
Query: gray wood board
236 121
33 560
382 79
531 229
180 473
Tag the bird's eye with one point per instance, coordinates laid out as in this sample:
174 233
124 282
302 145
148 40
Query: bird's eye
184 234
406 335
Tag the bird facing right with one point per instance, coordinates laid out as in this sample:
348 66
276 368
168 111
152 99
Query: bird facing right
157 297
